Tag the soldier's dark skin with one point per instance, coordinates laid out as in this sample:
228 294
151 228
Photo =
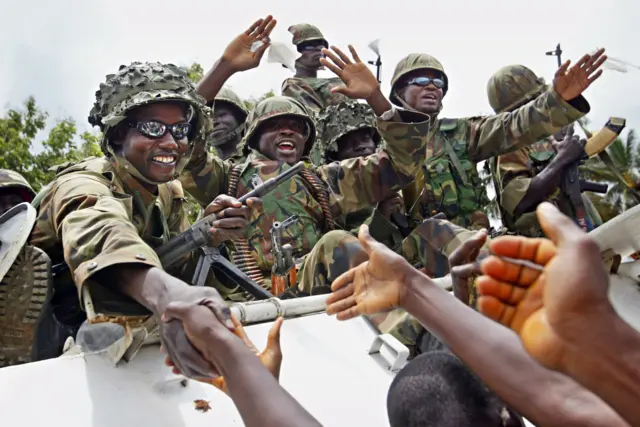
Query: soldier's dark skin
9 199
309 62
358 143
283 138
425 99
569 149
225 120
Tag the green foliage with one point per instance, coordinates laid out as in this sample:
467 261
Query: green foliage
625 155
195 72
18 130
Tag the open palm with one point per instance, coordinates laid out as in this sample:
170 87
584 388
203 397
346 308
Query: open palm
241 53
571 82
360 83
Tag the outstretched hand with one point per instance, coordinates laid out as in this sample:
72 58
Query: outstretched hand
241 54
571 82
464 267
555 311
375 286
360 83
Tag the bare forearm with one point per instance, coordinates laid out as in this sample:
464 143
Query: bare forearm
259 398
496 355
541 186
611 369
215 78
141 283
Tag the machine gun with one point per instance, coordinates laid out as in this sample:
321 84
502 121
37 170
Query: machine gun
283 272
572 186
197 236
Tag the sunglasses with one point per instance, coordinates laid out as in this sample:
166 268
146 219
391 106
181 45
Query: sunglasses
155 130
307 47
426 81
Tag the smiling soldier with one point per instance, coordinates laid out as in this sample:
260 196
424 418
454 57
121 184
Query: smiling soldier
100 219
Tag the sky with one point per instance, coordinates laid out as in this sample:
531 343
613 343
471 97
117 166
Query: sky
59 51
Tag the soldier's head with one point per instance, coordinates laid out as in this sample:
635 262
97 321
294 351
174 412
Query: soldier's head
229 117
151 117
281 128
309 41
14 189
419 83
513 86
347 130
437 389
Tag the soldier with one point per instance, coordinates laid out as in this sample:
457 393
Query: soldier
24 272
525 178
280 133
449 181
305 86
348 130
14 189
229 116
100 219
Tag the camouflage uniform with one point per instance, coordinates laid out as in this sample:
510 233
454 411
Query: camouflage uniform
313 92
509 88
24 272
96 214
317 196
448 181
229 97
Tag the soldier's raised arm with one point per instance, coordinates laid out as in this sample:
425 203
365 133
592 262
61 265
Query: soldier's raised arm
561 104
240 55
360 182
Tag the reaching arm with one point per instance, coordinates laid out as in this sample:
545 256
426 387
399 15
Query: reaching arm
497 356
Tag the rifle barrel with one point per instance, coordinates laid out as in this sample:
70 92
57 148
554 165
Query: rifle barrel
271 183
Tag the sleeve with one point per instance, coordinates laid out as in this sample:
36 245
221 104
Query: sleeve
513 176
364 181
502 133
96 229
206 177
303 93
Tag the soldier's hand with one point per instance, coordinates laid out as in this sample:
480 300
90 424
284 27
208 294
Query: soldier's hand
571 148
393 204
232 218
239 54
202 307
464 267
375 286
360 83
571 82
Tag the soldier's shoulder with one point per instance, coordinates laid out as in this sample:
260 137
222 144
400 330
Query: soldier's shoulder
446 124
95 171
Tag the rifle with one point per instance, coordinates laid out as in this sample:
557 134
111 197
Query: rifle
572 186
283 272
197 236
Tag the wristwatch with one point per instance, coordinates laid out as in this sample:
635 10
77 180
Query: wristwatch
388 115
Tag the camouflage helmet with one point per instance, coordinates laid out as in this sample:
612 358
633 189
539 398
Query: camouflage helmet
230 97
13 180
413 62
141 84
513 86
278 106
338 120
303 33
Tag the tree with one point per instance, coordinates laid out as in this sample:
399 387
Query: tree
625 155
195 72
18 130
251 102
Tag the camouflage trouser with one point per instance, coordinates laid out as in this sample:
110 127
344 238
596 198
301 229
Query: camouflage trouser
334 254
430 244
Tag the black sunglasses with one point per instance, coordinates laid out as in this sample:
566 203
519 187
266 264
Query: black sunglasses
426 81
154 129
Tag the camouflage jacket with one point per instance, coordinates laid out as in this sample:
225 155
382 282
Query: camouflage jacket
512 174
314 93
449 182
94 216
352 185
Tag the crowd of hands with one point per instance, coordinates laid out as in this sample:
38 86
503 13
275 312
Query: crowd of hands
562 315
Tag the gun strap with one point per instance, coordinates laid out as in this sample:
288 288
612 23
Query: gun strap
604 156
